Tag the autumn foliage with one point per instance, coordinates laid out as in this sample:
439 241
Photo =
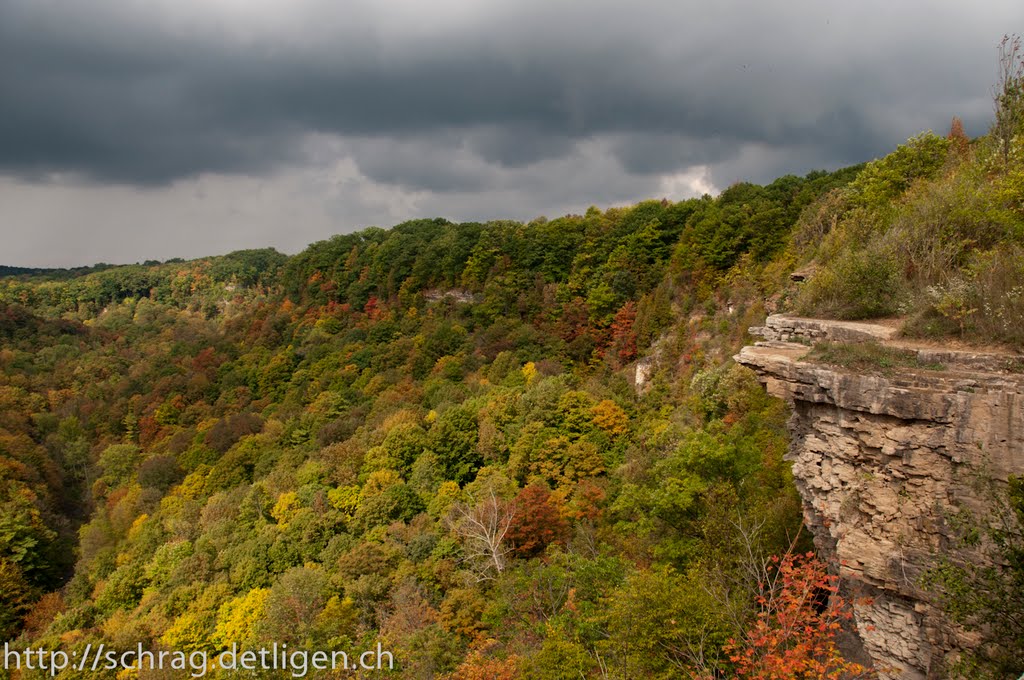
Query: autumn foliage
794 634
623 334
479 666
610 417
420 435
537 523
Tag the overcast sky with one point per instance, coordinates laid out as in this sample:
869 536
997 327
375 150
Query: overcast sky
134 130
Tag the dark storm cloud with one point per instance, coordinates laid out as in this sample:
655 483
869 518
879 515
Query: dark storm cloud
434 164
118 92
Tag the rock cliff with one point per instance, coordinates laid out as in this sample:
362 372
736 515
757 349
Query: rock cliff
882 457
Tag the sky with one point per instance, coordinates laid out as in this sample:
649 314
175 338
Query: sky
134 130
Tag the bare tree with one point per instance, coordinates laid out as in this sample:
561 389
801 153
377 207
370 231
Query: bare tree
737 587
481 527
1008 94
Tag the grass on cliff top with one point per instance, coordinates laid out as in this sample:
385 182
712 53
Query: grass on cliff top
868 356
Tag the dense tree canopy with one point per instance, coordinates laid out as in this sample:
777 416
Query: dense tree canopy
431 435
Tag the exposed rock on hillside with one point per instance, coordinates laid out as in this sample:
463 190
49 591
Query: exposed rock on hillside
882 458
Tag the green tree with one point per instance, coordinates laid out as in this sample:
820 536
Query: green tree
453 439
984 591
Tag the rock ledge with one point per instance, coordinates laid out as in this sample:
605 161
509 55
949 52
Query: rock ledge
882 459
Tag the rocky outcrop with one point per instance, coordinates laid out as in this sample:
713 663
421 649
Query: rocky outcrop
453 294
882 459
781 328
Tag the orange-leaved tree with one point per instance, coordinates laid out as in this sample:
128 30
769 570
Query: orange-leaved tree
479 664
623 335
794 634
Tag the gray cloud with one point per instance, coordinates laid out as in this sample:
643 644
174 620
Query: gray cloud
464 108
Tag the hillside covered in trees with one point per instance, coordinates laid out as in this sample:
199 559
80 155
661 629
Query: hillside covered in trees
435 436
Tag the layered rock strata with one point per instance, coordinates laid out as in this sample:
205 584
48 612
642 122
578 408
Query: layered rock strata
883 458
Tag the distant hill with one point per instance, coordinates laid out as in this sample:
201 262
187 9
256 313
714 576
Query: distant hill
20 271
51 273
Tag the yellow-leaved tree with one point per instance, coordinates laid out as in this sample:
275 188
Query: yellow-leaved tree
237 619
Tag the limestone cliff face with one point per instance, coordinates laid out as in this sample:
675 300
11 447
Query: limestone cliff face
882 459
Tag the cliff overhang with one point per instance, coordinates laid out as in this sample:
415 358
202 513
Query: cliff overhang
883 456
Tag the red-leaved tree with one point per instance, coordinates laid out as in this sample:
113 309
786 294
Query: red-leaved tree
623 346
538 521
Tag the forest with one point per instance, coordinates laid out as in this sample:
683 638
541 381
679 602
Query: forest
500 450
